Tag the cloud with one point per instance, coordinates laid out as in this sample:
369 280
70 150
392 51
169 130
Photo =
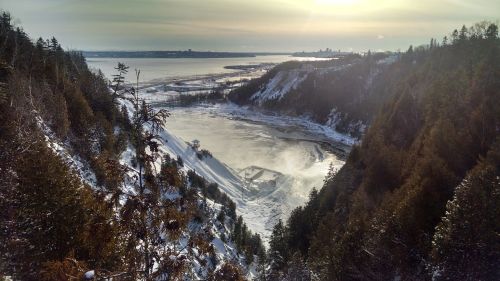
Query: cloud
160 24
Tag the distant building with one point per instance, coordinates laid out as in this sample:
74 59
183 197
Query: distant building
327 53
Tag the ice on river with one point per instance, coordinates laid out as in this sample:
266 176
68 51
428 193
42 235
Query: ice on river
267 164
277 167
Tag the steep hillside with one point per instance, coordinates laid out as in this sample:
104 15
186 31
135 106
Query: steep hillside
344 94
88 191
419 198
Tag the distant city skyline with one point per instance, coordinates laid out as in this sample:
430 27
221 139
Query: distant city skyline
246 26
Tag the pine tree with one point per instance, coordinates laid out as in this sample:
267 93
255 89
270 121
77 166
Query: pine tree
278 248
445 41
51 217
118 79
145 213
61 122
462 36
492 32
465 244
454 36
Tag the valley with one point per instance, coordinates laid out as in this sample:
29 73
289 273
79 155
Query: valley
267 163
220 141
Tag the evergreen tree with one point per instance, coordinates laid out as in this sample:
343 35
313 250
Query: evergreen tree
492 31
385 213
462 36
278 247
144 212
464 246
454 36
119 79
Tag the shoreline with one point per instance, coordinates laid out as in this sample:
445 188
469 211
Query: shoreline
243 71
163 92
308 131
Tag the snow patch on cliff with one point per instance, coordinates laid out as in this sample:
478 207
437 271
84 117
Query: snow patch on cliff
281 84
74 162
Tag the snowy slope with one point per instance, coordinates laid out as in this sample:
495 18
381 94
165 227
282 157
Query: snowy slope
199 264
262 196
209 168
286 90
211 230
73 161
258 218
281 84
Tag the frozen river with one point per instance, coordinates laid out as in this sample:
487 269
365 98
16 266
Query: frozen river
242 144
276 160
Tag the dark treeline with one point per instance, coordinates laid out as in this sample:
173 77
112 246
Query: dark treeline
190 99
53 225
353 85
419 199
48 214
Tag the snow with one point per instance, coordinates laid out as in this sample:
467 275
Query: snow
257 173
89 274
262 192
262 195
316 132
335 117
209 168
63 150
281 84
388 60
213 171
220 246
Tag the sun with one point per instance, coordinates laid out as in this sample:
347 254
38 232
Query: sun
337 2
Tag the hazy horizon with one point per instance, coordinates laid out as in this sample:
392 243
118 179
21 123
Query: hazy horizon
241 26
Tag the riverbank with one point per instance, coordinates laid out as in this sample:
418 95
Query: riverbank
267 163
276 163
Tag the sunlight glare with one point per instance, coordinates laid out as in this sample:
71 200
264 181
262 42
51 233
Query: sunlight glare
336 2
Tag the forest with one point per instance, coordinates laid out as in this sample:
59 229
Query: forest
58 224
349 90
418 198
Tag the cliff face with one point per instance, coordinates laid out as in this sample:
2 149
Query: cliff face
344 94
418 198
84 197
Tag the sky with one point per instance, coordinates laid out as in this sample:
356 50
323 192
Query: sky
251 25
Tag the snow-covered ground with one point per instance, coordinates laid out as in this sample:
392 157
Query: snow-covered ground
74 162
282 83
213 171
304 127
267 164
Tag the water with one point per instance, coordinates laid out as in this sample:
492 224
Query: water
276 164
274 159
161 68
241 144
